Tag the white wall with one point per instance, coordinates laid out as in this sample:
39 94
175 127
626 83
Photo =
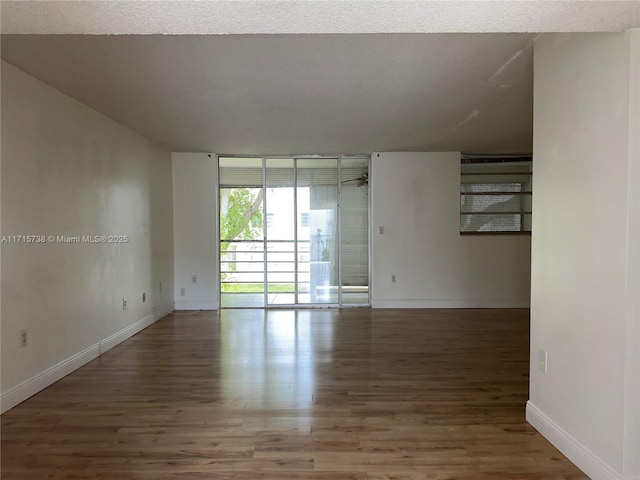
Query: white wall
195 186
586 250
416 197
67 170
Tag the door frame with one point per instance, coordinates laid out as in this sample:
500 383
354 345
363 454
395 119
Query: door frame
295 158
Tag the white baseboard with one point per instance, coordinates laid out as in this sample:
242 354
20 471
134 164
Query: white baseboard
580 455
128 332
196 305
30 387
449 303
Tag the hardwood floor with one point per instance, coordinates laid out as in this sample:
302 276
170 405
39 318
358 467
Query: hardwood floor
310 394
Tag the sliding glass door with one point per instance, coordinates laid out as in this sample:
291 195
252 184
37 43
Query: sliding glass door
317 239
354 230
293 231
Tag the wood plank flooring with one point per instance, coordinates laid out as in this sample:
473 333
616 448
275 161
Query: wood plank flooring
354 394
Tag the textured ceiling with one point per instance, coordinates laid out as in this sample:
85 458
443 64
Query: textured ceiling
313 16
345 85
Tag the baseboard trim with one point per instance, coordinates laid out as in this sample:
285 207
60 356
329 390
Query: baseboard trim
136 327
580 455
449 303
195 305
39 382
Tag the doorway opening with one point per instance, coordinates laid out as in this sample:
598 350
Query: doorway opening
294 231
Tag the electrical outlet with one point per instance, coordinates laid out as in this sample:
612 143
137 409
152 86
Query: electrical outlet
124 303
144 297
381 230
23 338
393 279
542 360
183 292
194 279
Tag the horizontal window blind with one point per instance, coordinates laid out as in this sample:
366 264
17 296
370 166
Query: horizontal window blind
495 195
355 227
239 173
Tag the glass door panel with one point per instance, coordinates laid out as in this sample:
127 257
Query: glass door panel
354 234
242 260
317 234
280 226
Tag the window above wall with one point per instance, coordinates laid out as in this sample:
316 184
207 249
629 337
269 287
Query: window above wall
495 195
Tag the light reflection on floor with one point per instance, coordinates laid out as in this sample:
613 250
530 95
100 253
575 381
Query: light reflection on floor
268 356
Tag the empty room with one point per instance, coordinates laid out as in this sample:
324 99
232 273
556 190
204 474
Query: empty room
324 240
